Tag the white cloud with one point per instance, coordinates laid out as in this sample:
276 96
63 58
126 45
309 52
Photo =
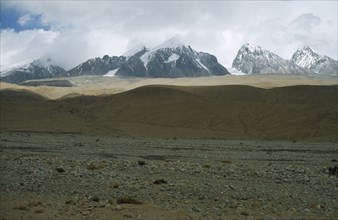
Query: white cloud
23 20
24 46
86 29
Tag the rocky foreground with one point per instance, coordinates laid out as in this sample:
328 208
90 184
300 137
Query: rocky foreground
73 176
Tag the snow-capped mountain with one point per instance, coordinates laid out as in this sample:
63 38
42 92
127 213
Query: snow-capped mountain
38 69
97 66
171 59
306 58
255 60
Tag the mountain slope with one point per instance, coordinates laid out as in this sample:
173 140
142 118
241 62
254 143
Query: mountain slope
38 69
306 58
170 59
255 60
97 66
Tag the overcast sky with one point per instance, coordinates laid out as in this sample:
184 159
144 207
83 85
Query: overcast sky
71 32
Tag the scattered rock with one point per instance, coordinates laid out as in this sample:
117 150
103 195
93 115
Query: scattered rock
333 171
118 208
77 144
60 169
115 185
95 199
206 166
38 210
128 215
160 181
245 213
96 166
195 209
127 200
20 207
141 162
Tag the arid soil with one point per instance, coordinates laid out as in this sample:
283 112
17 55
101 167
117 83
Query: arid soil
98 85
75 176
257 147
232 111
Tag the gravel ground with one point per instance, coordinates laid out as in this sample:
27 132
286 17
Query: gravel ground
75 176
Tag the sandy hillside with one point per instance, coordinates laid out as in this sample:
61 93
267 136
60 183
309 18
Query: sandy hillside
97 85
294 112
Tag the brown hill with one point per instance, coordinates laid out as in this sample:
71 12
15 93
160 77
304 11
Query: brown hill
295 112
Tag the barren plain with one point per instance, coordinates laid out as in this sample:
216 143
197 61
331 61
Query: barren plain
260 147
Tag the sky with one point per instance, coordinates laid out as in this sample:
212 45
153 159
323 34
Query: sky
70 32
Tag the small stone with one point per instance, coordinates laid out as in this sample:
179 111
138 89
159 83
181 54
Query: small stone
245 213
118 208
60 169
95 199
160 181
195 209
128 215
141 162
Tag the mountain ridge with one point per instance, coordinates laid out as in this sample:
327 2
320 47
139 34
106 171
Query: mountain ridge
306 58
255 60
38 69
170 59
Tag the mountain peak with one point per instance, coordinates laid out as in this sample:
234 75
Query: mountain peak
306 58
305 49
38 69
250 48
135 50
171 43
42 62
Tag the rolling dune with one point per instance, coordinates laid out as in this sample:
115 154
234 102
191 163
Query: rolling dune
232 111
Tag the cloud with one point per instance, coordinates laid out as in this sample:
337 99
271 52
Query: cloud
79 30
24 46
305 21
23 20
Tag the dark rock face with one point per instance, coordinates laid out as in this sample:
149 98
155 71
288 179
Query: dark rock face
97 66
133 67
211 63
38 69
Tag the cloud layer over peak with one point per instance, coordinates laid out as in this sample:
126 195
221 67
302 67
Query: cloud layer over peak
72 31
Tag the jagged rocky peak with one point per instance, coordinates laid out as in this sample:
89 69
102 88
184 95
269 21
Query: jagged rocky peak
250 49
255 60
306 58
